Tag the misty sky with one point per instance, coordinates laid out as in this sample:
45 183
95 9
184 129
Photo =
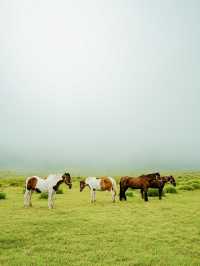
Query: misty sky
102 85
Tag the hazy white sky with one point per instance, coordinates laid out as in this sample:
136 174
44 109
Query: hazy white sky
100 85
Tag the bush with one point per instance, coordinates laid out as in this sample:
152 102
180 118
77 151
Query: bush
14 184
2 195
129 194
170 190
197 181
44 195
186 187
195 185
153 192
59 191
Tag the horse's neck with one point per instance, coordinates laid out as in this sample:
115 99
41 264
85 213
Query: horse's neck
165 179
52 180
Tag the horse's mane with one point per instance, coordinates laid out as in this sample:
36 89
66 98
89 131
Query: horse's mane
52 176
151 176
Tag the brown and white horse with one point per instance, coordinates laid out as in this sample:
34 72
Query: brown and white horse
50 185
101 184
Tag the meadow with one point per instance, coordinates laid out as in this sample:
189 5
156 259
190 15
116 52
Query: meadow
76 232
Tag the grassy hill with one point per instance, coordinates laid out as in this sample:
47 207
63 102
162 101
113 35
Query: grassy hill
76 232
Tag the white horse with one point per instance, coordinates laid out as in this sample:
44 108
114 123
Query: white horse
102 184
50 185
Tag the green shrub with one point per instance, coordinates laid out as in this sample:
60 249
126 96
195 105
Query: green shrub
186 187
170 190
44 195
129 194
197 181
14 184
2 195
195 185
59 191
153 192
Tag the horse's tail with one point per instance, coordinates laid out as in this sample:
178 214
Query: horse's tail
114 186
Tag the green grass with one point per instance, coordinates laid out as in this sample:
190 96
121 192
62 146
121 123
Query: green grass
153 192
77 232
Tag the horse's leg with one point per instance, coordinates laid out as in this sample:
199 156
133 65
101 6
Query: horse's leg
120 194
26 198
142 193
145 194
30 195
160 193
53 198
92 195
113 195
124 193
50 197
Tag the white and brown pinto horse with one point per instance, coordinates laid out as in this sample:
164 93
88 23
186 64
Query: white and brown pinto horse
101 184
50 185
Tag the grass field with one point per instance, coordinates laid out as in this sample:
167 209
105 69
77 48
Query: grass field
77 232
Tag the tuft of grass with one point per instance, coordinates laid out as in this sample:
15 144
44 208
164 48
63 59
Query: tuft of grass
196 185
153 192
2 195
43 195
59 191
129 194
170 190
185 187
15 184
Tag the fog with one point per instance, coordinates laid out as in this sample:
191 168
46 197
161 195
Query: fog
99 86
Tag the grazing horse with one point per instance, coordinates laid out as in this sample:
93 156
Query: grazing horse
160 183
50 185
102 183
141 182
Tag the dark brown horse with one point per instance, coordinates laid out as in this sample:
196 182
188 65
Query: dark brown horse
160 183
142 182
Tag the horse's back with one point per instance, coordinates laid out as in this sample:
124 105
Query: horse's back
36 183
93 182
107 183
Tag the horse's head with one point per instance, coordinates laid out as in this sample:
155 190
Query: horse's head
82 185
67 180
172 180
